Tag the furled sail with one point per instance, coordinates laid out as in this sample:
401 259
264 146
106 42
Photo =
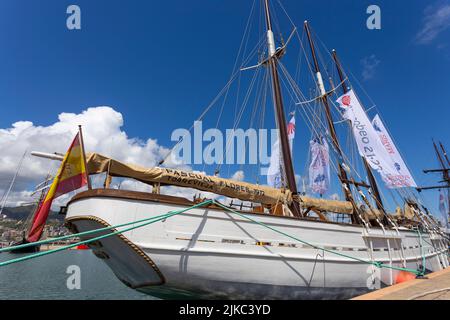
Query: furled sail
97 163
319 169
403 177
166 176
368 141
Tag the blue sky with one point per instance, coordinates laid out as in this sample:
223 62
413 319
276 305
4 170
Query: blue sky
159 63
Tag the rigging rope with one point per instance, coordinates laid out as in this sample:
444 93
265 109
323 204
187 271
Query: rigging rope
148 221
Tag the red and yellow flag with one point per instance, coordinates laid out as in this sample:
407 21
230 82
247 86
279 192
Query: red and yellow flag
71 176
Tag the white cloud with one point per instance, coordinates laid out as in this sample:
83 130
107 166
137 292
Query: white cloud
436 20
102 132
335 196
369 65
238 176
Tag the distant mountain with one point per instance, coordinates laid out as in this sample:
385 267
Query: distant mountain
22 212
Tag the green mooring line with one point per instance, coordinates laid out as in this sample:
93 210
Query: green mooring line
422 273
75 235
376 264
152 220
43 253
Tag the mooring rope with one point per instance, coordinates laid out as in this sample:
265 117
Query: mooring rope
43 253
155 219
374 263
76 235
422 252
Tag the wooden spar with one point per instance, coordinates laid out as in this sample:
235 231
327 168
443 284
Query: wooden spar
441 161
343 177
445 173
84 157
33 215
372 181
280 116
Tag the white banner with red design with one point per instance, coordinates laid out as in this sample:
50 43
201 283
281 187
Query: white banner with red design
403 171
319 169
369 143
274 171
442 205
291 132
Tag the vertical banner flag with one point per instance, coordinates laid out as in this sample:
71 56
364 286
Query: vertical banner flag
291 132
369 143
71 175
403 175
442 206
274 172
319 169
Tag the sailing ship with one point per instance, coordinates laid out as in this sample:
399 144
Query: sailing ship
27 237
31 216
282 243
444 186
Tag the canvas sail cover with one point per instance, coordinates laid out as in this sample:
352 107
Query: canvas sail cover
368 141
319 169
166 176
97 163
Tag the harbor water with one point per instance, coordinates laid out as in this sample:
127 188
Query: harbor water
52 277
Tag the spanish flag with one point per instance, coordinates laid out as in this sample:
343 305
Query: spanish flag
71 175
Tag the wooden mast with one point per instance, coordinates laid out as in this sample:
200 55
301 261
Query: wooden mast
447 179
445 153
84 157
343 177
280 116
445 175
441 161
372 181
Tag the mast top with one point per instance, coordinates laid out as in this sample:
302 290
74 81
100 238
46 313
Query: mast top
268 20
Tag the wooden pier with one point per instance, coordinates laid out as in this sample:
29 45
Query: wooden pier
436 286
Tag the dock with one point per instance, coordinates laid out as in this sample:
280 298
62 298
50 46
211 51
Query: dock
435 286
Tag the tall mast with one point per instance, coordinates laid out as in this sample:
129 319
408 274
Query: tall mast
445 175
445 153
446 179
372 181
441 161
280 117
343 177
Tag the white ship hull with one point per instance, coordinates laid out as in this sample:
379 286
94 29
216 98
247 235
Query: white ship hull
214 253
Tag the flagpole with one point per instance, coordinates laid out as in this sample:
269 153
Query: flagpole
84 157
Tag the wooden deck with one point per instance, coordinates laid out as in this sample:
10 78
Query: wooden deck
436 286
